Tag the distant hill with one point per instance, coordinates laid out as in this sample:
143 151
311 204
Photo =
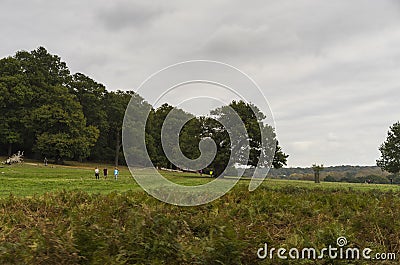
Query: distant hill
343 173
353 170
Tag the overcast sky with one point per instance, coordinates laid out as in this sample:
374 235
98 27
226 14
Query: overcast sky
329 69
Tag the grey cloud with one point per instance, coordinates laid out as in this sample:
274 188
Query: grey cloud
301 26
127 14
328 68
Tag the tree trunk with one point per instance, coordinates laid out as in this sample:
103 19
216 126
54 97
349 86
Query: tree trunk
316 174
117 148
9 149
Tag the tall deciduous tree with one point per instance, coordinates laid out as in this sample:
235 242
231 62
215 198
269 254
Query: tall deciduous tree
91 95
15 100
280 158
189 136
390 150
40 112
45 74
60 127
216 131
43 69
317 170
153 135
258 147
198 128
116 103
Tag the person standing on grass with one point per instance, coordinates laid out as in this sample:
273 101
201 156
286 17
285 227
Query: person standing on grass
116 172
97 173
105 172
45 161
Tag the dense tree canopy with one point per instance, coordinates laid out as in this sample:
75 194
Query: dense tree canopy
42 107
15 98
390 151
218 126
49 112
260 143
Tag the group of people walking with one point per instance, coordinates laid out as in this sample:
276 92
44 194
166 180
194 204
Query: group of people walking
105 173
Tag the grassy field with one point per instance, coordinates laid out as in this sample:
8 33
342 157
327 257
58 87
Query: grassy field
62 215
32 178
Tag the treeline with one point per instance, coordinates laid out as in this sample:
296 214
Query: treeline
331 170
49 112
376 179
349 174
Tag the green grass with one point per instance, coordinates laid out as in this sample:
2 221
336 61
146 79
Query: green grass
32 178
62 215
27 180
75 227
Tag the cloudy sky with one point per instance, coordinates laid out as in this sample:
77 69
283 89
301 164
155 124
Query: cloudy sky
329 69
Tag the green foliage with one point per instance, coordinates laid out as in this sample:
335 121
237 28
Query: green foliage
190 137
47 111
58 146
61 128
395 178
75 227
390 151
317 169
91 96
330 178
42 70
153 134
214 129
15 97
258 147
40 114
117 104
280 158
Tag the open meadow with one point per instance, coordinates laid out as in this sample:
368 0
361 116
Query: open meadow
33 177
62 215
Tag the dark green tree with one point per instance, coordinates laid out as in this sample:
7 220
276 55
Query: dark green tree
317 170
213 129
153 136
43 69
116 103
252 119
135 131
92 95
47 111
280 158
390 150
189 136
60 127
44 108
44 74
15 101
